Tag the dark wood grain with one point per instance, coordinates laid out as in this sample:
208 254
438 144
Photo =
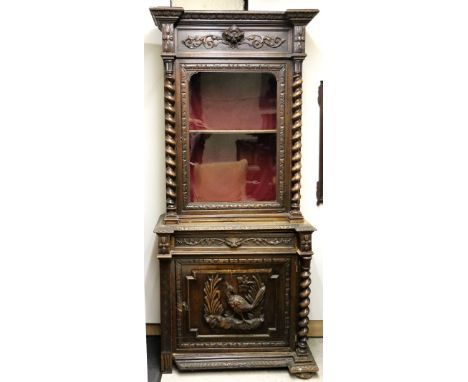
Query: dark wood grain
234 276
320 181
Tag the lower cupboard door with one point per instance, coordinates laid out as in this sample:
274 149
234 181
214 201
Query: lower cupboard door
235 303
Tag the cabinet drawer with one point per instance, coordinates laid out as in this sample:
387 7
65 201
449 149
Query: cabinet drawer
282 242
234 303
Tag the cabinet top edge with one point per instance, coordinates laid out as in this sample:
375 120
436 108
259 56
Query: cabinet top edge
162 228
175 14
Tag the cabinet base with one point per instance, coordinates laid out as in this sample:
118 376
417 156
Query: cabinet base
302 366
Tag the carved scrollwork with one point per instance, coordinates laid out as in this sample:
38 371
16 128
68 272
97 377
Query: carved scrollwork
243 309
233 37
208 41
257 41
234 242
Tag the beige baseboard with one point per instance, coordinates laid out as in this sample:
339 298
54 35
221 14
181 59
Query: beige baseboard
153 329
315 329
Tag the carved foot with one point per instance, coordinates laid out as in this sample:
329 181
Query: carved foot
303 365
304 375
166 363
303 370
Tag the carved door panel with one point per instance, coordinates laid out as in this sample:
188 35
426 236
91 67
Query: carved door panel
233 303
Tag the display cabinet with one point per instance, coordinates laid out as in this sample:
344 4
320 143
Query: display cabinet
233 246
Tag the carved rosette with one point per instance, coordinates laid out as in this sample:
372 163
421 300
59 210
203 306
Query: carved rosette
296 144
169 102
304 301
299 38
168 37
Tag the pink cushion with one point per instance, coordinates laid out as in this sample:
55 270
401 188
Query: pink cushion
220 181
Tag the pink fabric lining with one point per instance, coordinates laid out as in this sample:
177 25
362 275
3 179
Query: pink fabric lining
232 101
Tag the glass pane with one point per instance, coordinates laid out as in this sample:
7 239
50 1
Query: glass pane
232 101
232 167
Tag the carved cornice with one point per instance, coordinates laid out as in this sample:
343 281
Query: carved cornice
301 16
251 16
166 15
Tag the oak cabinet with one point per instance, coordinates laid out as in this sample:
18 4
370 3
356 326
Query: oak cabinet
233 246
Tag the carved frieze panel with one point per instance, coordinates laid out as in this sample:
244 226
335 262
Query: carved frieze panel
233 37
235 242
235 40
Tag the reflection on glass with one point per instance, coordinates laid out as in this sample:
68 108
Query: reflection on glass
232 101
232 167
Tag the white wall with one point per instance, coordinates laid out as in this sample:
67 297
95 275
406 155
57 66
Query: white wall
154 193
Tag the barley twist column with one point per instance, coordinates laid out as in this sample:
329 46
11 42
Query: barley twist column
304 301
169 102
296 144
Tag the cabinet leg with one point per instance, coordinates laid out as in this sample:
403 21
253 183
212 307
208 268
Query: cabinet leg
303 365
166 363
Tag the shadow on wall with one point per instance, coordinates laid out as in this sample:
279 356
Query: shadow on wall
154 167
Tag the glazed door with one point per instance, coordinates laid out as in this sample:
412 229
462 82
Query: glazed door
234 303
234 137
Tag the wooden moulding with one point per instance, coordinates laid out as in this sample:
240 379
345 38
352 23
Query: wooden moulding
315 329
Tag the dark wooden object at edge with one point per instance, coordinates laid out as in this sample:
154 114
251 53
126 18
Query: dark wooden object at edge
320 181
234 276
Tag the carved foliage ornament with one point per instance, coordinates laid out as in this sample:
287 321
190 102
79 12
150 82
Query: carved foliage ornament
242 309
233 37
234 242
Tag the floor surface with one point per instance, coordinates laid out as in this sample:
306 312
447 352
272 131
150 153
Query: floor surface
275 375
153 352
